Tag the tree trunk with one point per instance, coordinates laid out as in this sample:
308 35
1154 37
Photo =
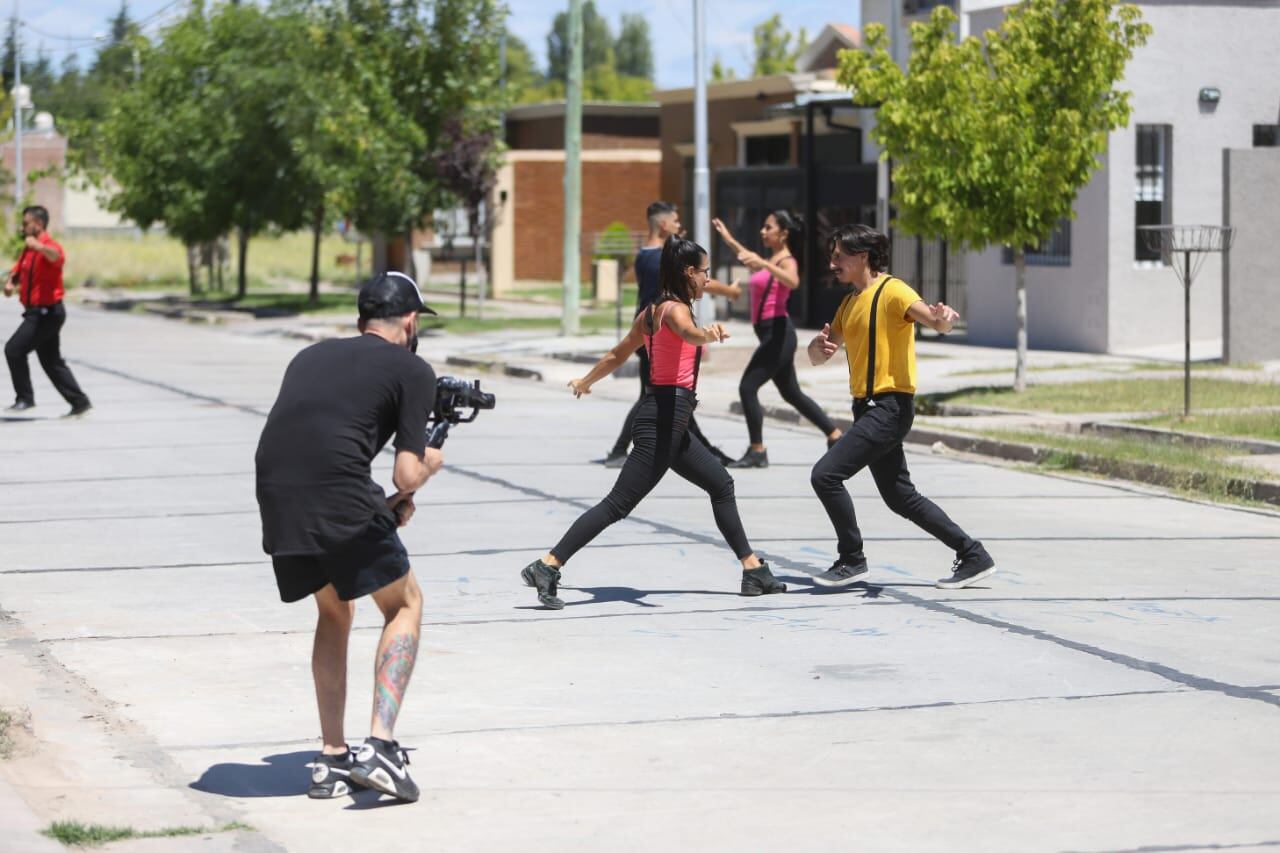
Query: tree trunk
317 228
242 284
193 268
1020 364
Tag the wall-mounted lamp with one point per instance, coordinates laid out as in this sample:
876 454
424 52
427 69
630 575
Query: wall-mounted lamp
1210 95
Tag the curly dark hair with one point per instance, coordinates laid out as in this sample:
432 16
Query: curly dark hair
853 239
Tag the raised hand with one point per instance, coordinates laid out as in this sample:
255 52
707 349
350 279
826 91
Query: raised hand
750 260
721 229
944 313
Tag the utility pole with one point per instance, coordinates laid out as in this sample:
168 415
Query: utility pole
573 174
701 174
17 108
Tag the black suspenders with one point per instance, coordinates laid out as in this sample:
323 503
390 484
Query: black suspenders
871 344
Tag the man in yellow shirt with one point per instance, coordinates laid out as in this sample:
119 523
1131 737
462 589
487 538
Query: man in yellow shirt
882 380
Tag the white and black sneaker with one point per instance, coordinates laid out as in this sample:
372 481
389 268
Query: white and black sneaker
331 776
969 569
384 766
842 573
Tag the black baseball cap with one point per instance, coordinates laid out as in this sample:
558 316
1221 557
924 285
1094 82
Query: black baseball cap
390 294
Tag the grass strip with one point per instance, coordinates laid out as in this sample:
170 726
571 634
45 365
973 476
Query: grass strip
1263 425
76 834
1198 472
1123 395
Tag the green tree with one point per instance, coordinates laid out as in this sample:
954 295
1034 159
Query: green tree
634 48
774 53
721 73
597 42
992 139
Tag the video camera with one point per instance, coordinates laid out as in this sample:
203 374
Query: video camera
453 395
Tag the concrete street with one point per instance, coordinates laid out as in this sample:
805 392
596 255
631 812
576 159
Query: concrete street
1115 686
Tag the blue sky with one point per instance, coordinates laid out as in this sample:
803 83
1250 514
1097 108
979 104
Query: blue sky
728 32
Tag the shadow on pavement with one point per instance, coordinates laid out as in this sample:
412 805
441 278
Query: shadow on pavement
281 775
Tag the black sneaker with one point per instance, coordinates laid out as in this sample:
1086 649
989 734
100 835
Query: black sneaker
21 406
384 766
331 776
760 581
842 573
78 409
969 569
615 460
752 459
545 578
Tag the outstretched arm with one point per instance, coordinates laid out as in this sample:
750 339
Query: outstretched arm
728 238
613 359
679 319
732 290
939 317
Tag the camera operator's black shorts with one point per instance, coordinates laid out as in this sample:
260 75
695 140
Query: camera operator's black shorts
365 564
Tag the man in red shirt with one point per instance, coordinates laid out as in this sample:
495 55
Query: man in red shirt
37 279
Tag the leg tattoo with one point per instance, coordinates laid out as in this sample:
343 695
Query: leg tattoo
394 668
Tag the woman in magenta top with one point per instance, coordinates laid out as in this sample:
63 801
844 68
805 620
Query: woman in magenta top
772 281
660 437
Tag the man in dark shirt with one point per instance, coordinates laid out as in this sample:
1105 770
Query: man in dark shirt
330 529
664 222
37 279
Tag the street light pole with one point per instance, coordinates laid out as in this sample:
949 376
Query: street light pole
701 174
573 174
17 108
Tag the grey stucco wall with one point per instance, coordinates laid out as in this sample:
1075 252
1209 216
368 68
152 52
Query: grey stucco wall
1228 45
1066 306
1251 330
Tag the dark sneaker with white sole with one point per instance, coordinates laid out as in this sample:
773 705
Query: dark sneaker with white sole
546 580
842 573
331 776
760 581
384 766
969 569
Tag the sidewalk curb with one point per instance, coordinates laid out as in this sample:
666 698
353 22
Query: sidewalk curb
1265 491
494 366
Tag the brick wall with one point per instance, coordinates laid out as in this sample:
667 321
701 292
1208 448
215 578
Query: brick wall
612 191
40 151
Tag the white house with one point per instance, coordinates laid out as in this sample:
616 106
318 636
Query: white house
1207 80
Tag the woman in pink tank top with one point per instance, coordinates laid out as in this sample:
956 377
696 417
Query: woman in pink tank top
660 437
773 361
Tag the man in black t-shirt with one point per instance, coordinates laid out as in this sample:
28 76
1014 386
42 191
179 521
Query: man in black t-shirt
331 530
664 222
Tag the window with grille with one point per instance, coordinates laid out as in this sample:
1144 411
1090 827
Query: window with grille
1053 251
1153 201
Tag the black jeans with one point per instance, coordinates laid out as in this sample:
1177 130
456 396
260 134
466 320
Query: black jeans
875 441
624 437
40 331
661 440
774 360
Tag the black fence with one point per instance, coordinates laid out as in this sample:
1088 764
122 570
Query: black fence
827 196
933 267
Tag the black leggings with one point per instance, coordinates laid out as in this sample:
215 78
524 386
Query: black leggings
661 440
624 437
774 360
875 441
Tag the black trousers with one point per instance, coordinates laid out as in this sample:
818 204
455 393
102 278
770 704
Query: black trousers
774 361
40 331
624 437
875 441
661 441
